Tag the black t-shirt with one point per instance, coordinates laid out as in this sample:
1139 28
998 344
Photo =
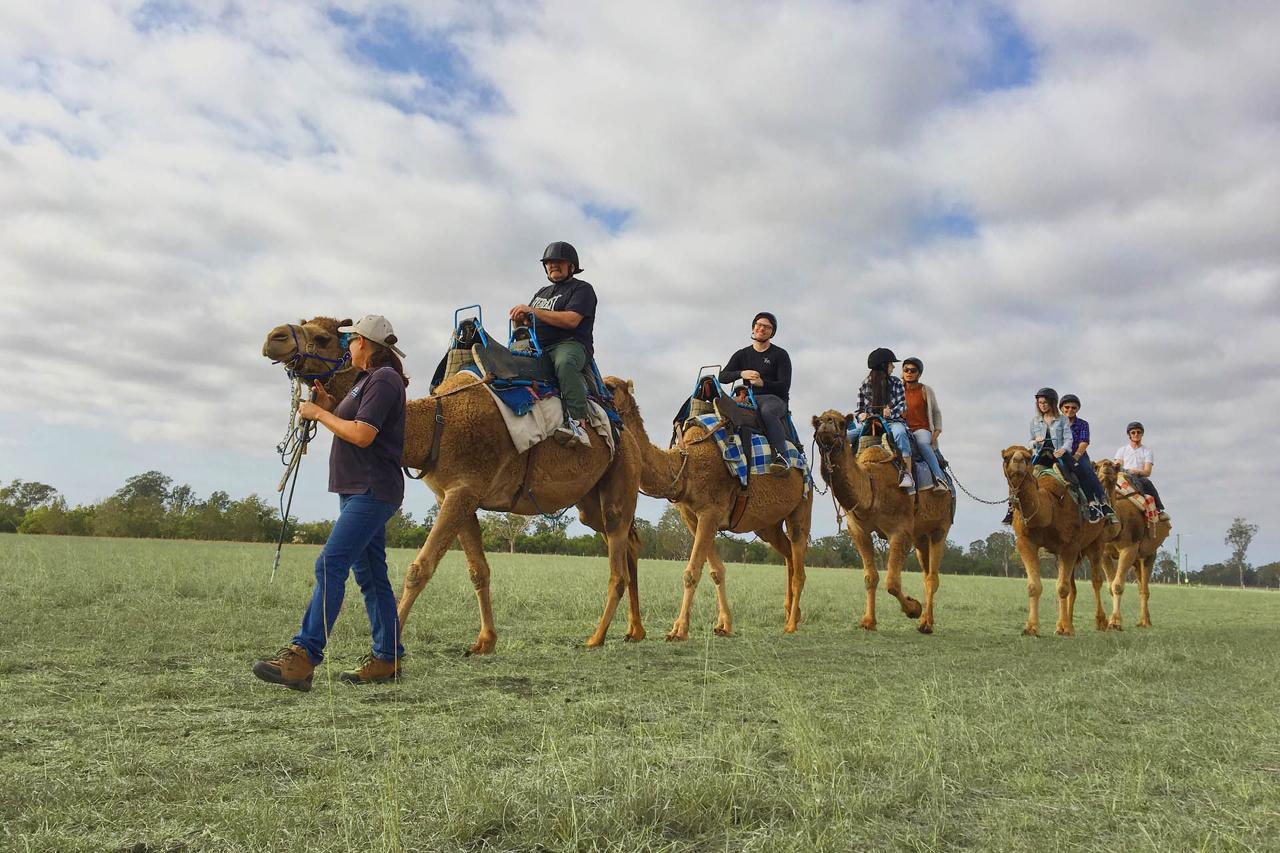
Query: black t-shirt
773 365
376 399
572 294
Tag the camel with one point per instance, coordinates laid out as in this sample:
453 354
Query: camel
695 478
865 485
1135 547
1045 516
477 467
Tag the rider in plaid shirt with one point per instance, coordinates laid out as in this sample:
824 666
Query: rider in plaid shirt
880 362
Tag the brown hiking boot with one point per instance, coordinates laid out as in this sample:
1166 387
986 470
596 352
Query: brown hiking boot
291 667
372 671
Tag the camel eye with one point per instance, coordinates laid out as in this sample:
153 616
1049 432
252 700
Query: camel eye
322 340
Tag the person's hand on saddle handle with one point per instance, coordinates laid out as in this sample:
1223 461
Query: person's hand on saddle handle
753 376
862 416
888 413
1058 454
521 315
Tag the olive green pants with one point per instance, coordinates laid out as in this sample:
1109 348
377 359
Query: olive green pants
569 358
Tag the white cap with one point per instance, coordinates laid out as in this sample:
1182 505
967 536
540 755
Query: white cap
376 328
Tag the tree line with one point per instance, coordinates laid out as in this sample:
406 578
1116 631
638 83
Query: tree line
151 506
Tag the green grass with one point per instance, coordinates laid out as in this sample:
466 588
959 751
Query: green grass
133 722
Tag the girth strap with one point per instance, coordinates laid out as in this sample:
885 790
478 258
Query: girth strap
739 510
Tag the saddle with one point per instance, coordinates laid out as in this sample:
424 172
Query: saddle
709 398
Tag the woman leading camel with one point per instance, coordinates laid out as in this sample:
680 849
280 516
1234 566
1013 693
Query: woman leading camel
364 470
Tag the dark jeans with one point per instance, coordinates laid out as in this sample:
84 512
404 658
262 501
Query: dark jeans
358 541
1089 479
1144 485
772 410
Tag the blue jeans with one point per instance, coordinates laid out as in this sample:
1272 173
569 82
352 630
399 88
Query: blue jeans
1089 479
924 441
897 431
359 541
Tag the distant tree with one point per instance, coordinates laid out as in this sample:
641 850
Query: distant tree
1268 575
1166 568
673 540
1000 547
20 497
503 528
1239 537
55 519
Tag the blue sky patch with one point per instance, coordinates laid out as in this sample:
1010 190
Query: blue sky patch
943 223
390 42
1013 59
612 218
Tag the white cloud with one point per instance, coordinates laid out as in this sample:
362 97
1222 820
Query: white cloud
175 186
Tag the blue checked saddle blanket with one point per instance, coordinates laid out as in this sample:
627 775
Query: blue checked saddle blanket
741 465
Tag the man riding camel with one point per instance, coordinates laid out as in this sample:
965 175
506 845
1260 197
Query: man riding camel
766 367
565 311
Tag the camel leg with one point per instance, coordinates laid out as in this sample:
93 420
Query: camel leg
1066 592
724 619
1096 573
455 509
1124 562
1030 556
777 540
893 576
703 542
870 577
931 564
478 567
1144 591
798 537
608 511
635 627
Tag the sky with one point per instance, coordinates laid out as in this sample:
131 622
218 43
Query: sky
1083 195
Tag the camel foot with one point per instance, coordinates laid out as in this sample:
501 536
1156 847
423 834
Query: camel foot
1100 622
912 608
635 635
1030 630
483 645
867 624
925 628
594 642
789 627
724 628
1065 631
1144 623
1114 625
678 633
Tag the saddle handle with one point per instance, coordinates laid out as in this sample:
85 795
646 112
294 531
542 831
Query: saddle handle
457 321
702 372
533 336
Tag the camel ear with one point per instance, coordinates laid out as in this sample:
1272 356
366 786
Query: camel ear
1006 453
815 421
631 387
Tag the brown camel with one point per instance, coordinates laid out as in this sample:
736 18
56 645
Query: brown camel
865 485
695 478
1045 516
1134 547
477 467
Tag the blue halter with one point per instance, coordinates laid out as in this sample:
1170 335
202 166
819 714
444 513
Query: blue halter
299 357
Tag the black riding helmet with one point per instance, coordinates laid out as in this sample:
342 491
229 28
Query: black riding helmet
911 359
772 319
1069 398
880 356
1135 425
1049 394
562 251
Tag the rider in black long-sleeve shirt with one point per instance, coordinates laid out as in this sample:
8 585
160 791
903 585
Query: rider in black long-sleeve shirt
767 368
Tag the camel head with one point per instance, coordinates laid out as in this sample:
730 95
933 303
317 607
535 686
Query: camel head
830 431
1106 471
309 347
1017 462
624 395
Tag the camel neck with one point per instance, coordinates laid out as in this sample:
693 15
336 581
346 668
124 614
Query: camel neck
659 469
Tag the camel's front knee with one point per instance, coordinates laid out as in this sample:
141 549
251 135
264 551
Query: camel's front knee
1034 588
1064 590
479 578
691 578
417 576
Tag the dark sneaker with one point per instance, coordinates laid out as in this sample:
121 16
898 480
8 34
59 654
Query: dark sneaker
291 667
778 466
372 671
1008 517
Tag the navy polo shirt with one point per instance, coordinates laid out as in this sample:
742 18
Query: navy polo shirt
376 399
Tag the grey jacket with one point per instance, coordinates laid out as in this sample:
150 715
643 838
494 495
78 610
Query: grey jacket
1059 433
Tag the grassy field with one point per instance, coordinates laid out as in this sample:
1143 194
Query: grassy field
134 724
